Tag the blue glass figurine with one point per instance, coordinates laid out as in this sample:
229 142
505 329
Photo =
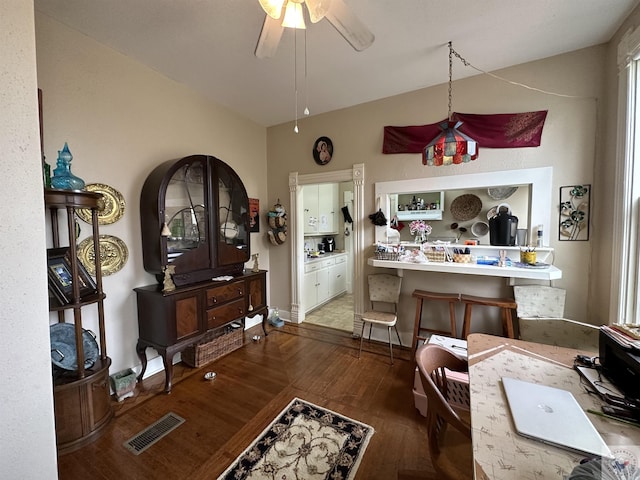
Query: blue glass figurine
62 176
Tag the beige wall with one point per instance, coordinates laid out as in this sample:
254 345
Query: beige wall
603 260
568 145
122 119
26 399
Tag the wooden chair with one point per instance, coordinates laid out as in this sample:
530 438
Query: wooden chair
383 289
450 449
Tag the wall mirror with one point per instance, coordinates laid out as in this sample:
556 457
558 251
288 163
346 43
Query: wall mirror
457 206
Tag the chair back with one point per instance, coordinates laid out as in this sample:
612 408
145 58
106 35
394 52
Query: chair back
384 288
539 301
432 360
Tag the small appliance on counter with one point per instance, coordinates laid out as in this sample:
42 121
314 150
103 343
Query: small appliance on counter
329 244
321 248
503 226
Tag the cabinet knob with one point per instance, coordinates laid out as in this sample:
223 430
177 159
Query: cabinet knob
240 292
214 300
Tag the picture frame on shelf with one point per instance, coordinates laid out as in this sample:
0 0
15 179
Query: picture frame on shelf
61 279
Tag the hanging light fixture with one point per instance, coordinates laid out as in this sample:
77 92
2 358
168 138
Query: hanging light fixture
293 16
450 146
317 10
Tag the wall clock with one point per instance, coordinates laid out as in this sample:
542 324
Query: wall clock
323 150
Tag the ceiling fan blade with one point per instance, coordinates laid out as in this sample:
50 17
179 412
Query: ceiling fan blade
349 26
269 38
318 9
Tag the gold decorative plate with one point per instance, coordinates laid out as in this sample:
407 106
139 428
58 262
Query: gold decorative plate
113 254
111 206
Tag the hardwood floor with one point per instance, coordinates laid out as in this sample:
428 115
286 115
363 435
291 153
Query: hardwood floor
252 385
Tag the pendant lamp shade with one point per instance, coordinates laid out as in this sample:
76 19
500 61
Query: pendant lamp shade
450 147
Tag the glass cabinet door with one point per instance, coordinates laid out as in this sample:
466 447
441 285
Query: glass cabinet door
186 215
233 216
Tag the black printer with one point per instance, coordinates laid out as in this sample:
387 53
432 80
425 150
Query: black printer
620 364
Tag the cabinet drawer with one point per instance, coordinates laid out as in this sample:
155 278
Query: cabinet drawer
312 267
226 313
341 259
224 293
328 262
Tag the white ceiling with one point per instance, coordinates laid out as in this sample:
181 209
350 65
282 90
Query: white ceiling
209 45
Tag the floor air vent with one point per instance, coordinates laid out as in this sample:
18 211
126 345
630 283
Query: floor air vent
153 433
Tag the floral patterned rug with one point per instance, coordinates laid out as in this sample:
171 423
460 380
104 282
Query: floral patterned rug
305 441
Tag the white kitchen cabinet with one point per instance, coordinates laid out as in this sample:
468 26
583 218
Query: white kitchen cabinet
338 277
310 208
320 207
323 279
328 208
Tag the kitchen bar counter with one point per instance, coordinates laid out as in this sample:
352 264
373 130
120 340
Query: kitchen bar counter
551 273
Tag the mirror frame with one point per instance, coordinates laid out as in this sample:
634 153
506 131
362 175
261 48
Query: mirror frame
540 181
296 181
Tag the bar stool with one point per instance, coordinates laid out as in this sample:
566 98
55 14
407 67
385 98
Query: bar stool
505 305
421 296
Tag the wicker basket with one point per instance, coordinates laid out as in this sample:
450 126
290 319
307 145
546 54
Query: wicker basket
387 256
202 353
436 256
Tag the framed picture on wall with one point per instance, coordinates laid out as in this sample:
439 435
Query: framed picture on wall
60 278
254 215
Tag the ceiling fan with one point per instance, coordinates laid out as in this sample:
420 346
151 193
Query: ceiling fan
335 11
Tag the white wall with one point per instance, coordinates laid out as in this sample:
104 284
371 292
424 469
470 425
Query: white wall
120 120
26 397
568 145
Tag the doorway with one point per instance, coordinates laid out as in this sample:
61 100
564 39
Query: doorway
296 183
327 288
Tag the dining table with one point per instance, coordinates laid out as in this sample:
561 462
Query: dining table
499 452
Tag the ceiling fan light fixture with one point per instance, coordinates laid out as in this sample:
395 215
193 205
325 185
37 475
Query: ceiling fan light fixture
293 16
273 8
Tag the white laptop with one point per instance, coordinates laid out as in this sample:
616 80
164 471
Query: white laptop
552 416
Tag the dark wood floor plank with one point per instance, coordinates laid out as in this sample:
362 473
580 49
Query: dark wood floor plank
252 386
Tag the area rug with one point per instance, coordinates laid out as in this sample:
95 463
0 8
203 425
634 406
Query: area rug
305 441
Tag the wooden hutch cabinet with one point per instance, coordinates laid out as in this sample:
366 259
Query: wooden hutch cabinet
195 234
81 395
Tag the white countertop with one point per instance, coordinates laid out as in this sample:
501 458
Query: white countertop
550 273
323 256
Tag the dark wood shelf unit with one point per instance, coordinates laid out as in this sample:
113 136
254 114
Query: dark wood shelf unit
81 397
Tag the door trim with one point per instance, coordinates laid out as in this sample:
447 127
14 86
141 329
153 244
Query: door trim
296 181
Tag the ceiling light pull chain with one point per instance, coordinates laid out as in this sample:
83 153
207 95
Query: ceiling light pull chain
306 83
295 77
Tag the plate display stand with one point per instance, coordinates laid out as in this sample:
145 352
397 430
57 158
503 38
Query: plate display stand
81 396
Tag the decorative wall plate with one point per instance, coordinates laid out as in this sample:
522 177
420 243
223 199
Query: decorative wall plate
323 150
113 254
111 206
501 193
465 207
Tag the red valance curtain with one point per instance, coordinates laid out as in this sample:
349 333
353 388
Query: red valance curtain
499 130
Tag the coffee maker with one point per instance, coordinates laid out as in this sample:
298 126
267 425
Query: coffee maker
329 244
503 226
